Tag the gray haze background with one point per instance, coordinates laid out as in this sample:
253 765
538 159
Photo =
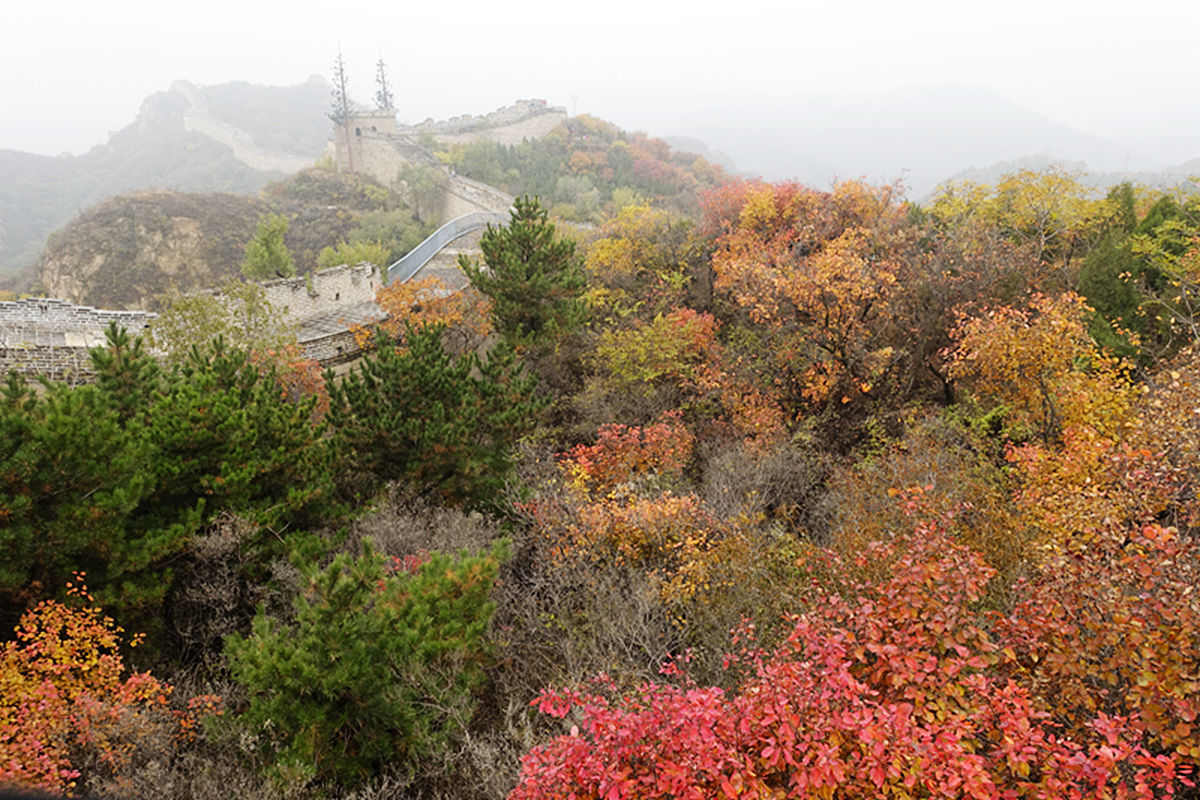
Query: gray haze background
747 78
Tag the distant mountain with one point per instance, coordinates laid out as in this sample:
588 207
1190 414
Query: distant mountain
1179 176
920 134
230 138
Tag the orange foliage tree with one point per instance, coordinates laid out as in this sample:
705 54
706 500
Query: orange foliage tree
298 377
816 271
429 301
642 259
1144 471
1043 368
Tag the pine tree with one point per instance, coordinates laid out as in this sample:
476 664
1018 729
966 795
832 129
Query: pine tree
380 666
70 476
125 373
225 439
533 279
447 425
266 254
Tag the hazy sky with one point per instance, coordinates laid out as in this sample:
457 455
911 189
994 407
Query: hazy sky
74 70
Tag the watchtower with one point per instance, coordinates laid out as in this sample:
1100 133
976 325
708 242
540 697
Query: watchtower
367 130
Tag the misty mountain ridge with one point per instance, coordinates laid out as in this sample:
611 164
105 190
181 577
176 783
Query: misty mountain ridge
237 137
919 134
233 137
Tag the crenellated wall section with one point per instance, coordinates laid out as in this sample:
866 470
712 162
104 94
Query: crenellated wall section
51 337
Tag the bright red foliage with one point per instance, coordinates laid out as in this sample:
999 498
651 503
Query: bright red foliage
63 699
894 692
1112 626
624 454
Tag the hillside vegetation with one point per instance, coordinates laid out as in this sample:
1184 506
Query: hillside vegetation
749 489
588 166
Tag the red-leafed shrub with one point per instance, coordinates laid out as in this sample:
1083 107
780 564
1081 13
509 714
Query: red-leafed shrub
1112 627
624 454
894 690
65 707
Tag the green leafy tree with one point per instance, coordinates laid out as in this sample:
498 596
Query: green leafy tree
266 254
446 424
422 187
371 252
1142 278
380 666
240 314
398 230
533 279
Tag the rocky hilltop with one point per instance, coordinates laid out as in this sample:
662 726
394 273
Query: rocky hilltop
129 249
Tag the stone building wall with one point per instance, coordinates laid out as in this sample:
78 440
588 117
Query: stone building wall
331 290
332 350
71 365
51 337
47 321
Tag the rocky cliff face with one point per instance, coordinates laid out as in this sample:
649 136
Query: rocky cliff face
128 250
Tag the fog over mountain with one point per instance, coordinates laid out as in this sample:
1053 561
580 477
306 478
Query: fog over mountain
813 90
73 71
920 134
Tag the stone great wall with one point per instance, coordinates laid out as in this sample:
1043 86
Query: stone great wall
196 119
377 146
48 337
51 338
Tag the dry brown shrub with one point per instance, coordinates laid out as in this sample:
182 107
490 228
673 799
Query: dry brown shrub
954 474
216 594
783 482
402 524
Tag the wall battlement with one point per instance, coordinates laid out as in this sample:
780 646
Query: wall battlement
512 114
379 147
52 337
